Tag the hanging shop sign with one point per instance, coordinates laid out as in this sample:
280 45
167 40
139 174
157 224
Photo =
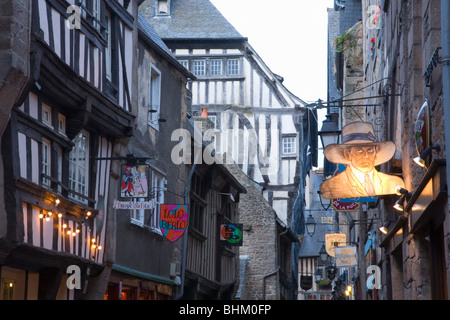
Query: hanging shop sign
173 221
361 153
422 131
340 206
136 205
134 181
346 256
306 282
333 240
341 168
231 234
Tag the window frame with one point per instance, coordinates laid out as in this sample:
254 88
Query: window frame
158 8
184 63
289 145
62 124
46 115
195 67
212 70
231 68
76 191
197 203
46 162
108 47
154 101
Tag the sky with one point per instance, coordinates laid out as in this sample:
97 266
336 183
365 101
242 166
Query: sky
290 36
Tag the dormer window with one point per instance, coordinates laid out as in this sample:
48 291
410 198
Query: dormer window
163 7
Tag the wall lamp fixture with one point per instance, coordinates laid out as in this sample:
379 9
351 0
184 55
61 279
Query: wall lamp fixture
420 160
384 228
404 195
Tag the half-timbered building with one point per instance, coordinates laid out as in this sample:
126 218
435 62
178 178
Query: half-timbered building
256 119
210 266
76 106
146 264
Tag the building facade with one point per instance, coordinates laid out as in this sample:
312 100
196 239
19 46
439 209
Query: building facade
257 121
161 91
406 55
75 107
392 66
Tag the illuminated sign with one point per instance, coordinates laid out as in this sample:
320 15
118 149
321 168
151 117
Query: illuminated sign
361 152
346 256
333 240
422 128
134 182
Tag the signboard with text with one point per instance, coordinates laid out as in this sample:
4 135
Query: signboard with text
173 220
231 234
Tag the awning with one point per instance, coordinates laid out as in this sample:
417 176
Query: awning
143 275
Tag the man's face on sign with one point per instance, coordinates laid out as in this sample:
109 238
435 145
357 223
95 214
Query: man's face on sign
362 157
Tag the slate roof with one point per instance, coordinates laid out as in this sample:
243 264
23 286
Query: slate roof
152 38
190 19
148 30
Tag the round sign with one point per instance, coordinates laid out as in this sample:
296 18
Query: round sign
423 128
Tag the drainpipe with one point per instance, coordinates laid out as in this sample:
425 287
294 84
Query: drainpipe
278 264
445 33
198 153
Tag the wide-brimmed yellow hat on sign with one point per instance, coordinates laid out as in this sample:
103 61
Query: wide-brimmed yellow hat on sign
359 134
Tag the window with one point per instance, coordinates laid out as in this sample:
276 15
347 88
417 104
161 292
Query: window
156 192
8 289
46 162
61 124
185 63
91 14
96 14
199 67
47 115
79 168
216 67
137 216
197 203
60 168
157 188
288 147
213 119
163 7
155 97
108 50
233 67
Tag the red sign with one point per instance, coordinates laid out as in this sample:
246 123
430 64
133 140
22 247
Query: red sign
423 128
338 205
173 221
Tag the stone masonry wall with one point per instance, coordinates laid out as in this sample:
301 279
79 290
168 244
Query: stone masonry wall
260 241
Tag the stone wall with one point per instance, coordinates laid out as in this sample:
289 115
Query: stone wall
410 33
260 241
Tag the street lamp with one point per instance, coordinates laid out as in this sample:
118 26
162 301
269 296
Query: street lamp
310 225
323 254
329 134
318 275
